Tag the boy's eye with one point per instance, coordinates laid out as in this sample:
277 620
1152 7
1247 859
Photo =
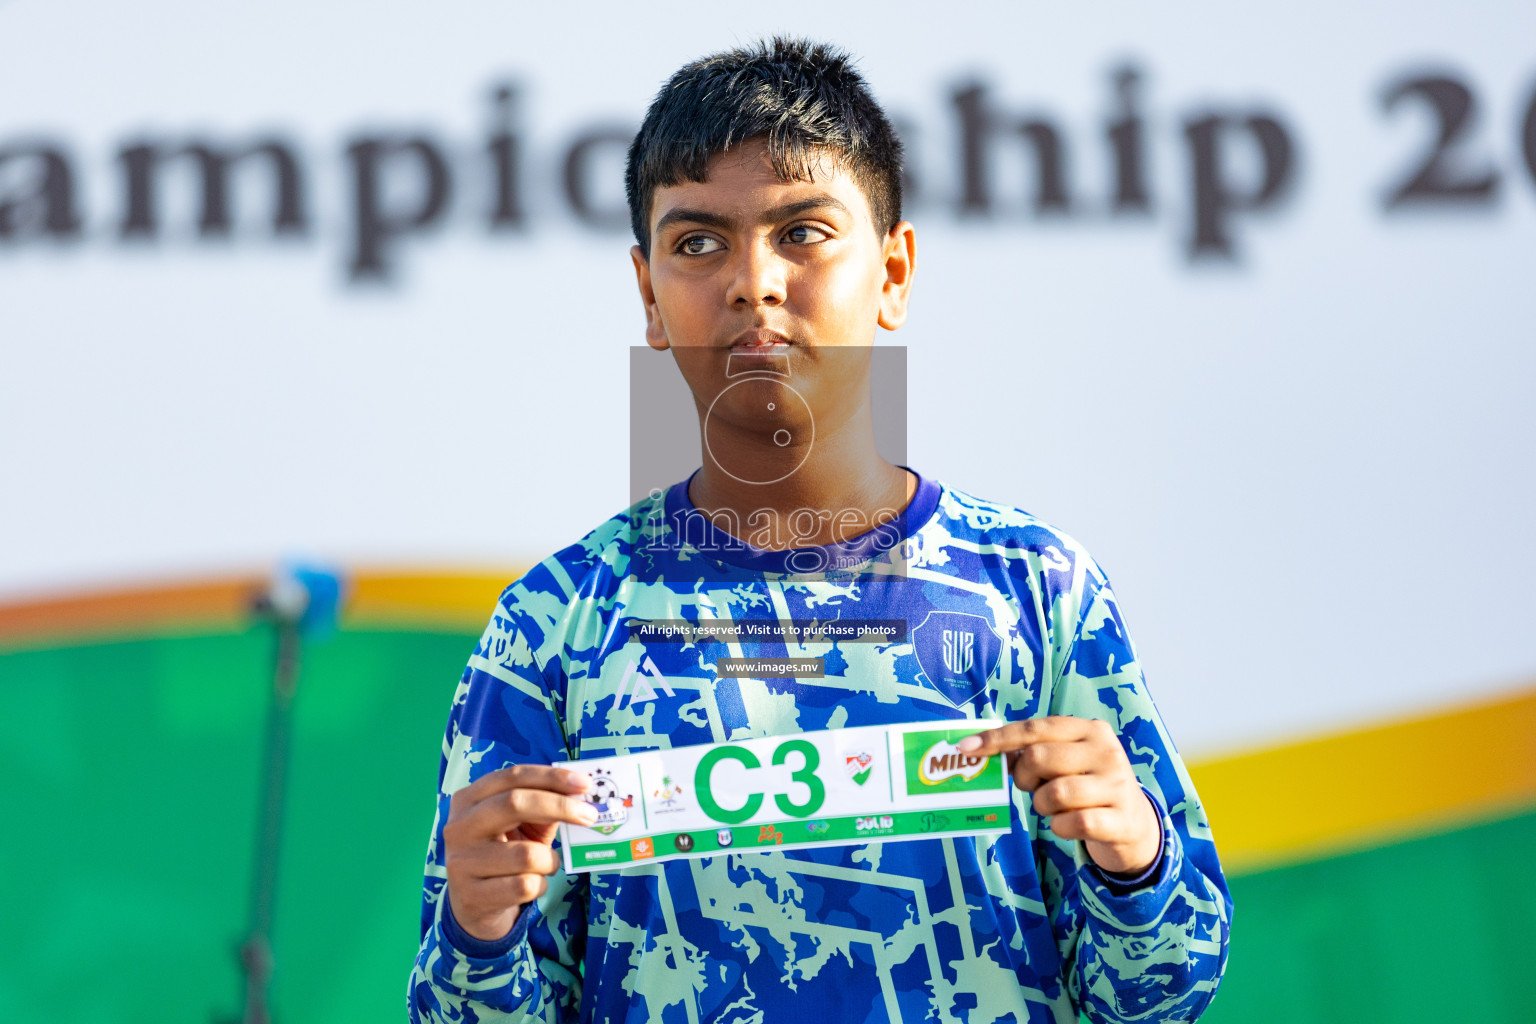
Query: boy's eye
806 233
698 245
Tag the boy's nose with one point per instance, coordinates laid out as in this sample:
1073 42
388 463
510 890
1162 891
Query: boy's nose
760 278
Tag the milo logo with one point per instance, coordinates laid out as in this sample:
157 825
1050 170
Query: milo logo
942 761
935 766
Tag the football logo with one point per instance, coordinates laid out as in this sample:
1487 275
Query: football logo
612 806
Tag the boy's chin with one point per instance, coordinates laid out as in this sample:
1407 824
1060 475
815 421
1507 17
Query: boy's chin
783 426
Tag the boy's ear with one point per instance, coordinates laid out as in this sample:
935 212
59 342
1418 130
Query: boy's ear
900 255
655 330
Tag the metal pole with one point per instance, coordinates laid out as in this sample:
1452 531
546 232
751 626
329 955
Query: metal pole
256 959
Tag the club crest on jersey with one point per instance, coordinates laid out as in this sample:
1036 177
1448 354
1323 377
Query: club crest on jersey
958 652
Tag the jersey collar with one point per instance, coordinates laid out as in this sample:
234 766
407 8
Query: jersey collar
696 529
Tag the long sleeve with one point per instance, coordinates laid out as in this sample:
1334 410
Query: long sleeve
504 712
1156 951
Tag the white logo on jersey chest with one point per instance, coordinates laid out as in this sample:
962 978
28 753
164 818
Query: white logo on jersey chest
641 675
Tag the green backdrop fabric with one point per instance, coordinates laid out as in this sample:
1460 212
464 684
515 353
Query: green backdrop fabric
131 776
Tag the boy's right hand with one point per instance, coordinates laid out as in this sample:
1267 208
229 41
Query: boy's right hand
497 842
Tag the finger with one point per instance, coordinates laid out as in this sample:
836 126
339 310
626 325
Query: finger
508 890
541 834
503 812
1040 762
1074 793
1100 824
1018 735
499 860
525 776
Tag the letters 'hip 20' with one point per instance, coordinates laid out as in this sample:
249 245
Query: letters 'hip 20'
830 788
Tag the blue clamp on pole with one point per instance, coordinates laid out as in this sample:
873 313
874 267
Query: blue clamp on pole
307 596
326 589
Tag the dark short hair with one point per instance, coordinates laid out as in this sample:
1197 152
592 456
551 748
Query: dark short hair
803 97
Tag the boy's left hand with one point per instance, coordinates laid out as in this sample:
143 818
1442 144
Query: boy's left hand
1081 779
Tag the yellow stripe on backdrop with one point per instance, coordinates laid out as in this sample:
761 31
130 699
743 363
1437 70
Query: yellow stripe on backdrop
1291 802
422 600
1333 794
374 599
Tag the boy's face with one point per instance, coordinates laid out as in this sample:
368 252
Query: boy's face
749 272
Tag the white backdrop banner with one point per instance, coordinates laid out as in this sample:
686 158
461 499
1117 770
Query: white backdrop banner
1240 297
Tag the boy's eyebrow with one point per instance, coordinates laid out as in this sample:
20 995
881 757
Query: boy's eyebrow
820 201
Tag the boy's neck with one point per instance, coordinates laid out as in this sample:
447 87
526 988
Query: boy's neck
843 476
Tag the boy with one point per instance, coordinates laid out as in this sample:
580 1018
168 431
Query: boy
765 188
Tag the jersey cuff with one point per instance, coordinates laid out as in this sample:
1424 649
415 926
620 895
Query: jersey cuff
482 949
1132 903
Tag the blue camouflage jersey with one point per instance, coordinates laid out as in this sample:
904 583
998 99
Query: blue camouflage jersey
1016 927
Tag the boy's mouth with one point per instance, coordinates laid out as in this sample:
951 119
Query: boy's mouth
760 340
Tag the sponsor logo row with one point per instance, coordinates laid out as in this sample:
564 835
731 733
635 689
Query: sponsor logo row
752 837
